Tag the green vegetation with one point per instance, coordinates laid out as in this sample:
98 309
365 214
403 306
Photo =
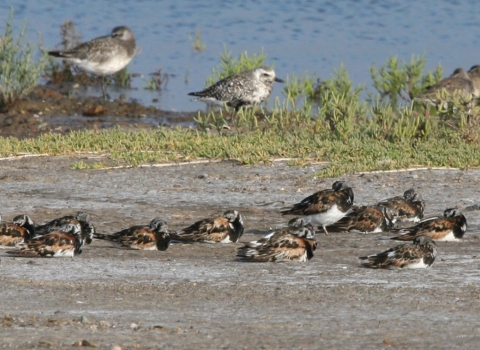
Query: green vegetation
19 72
318 121
197 43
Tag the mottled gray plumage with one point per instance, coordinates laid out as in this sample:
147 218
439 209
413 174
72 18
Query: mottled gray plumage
459 84
244 89
104 55
474 74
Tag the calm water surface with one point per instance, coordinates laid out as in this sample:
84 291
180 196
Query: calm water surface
299 37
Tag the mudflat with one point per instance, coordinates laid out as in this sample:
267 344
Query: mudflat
199 296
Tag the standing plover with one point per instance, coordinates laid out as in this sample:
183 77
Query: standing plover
225 229
325 207
81 218
155 236
365 219
474 74
295 243
104 55
243 89
409 207
459 85
449 227
417 256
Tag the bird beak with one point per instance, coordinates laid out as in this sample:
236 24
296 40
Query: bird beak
278 80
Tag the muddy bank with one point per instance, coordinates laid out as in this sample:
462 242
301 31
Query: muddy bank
198 296
59 109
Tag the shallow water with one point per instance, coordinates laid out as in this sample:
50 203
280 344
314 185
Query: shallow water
298 36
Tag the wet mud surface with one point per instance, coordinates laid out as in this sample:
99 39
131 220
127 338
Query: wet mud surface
61 109
199 296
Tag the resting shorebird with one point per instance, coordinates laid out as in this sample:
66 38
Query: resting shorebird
225 229
409 207
295 243
155 236
243 89
449 227
65 242
104 55
20 230
324 207
81 218
417 256
365 219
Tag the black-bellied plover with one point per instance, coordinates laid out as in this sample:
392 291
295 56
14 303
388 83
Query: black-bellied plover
458 85
474 74
243 89
104 55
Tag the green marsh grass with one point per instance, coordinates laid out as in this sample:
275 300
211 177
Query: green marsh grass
19 72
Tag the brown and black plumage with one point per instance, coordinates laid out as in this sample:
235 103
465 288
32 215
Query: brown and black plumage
81 218
449 227
64 242
155 236
225 229
294 243
20 230
324 207
365 219
421 254
409 206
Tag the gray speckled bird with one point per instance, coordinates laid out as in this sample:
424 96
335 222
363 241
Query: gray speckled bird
474 74
104 55
459 84
243 89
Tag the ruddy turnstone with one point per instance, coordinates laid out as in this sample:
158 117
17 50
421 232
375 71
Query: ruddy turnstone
65 242
449 227
365 219
325 207
104 55
243 89
409 207
420 254
155 236
20 230
225 229
295 243
81 218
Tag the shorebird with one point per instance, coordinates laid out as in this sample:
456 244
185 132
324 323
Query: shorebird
458 85
225 229
365 219
409 207
324 207
244 89
64 242
449 227
20 230
295 243
81 218
421 254
104 55
474 74
155 236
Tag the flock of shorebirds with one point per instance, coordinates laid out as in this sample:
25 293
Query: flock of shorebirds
330 210
109 54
